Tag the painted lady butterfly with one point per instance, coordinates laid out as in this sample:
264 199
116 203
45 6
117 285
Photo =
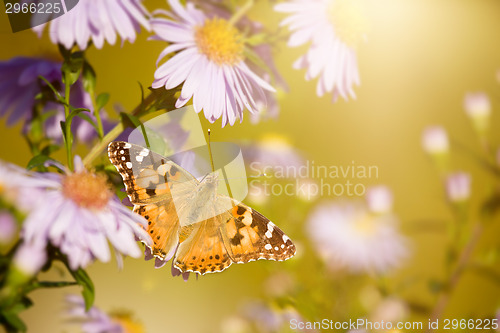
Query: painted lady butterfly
237 235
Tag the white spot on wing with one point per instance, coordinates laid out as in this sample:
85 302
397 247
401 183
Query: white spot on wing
122 151
123 158
129 165
269 234
162 169
268 246
285 238
127 145
276 248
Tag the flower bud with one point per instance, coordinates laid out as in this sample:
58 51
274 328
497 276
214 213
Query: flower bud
435 140
458 187
379 199
29 259
478 108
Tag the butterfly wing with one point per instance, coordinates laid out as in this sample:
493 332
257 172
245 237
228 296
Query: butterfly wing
148 177
240 235
202 248
248 235
163 227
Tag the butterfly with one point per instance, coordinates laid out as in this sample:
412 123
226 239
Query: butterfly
189 220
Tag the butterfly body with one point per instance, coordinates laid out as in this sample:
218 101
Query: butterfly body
187 218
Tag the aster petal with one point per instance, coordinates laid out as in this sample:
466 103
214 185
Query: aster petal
170 49
171 65
171 31
193 80
121 21
138 12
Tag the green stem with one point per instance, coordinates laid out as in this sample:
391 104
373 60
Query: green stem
241 12
445 296
97 115
115 131
68 137
49 284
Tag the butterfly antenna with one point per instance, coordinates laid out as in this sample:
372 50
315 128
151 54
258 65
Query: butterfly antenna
210 152
222 169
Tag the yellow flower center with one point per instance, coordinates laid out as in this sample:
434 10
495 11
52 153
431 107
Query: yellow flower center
220 41
87 190
128 324
365 225
275 142
349 21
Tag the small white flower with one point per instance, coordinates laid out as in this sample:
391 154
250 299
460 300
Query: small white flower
379 199
435 140
477 105
458 187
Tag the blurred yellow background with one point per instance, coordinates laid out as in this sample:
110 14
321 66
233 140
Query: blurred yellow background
420 59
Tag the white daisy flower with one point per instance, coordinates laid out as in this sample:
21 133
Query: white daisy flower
333 28
348 236
209 62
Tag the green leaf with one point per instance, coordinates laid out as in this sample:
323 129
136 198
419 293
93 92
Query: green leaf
88 292
75 113
49 149
12 321
23 304
54 90
164 100
63 128
87 118
101 100
38 160
88 78
67 124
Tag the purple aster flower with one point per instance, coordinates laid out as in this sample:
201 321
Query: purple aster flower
79 214
268 106
98 21
209 62
346 235
20 187
19 84
96 321
334 28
